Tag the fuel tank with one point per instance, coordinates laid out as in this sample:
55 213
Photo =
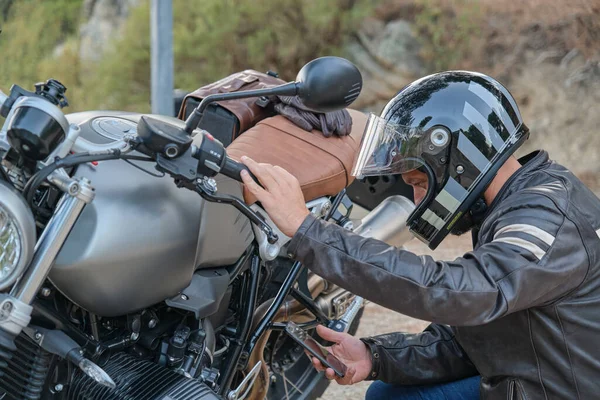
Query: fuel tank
142 238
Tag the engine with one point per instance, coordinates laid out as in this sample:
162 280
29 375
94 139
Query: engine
140 380
25 375
172 365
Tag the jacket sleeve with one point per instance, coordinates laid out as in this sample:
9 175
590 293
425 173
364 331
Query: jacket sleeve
535 257
432 356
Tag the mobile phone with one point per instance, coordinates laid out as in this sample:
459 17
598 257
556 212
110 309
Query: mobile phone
301 337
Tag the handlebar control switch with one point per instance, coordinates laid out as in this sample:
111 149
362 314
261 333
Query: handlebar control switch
210 154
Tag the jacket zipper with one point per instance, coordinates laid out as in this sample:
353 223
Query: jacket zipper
511 390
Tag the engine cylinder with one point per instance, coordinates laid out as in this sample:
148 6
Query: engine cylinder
140 380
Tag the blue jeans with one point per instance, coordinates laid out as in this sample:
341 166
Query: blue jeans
466 389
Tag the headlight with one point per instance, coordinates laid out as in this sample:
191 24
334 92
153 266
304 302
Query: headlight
17 235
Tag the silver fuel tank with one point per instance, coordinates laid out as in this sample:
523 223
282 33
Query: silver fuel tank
142 238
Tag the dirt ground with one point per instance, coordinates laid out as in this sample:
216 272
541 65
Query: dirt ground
378 320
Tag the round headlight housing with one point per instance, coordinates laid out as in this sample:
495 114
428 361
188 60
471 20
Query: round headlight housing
17 235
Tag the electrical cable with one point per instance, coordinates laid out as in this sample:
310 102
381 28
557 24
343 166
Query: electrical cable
38 178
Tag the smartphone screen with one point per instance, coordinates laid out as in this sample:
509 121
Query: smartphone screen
314 348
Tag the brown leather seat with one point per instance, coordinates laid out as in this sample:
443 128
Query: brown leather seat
322 165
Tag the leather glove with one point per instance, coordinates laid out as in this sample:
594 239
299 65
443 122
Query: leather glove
337 123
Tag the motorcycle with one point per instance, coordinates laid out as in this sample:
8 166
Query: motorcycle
123 281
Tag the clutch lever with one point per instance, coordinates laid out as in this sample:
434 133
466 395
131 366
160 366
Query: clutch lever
208 194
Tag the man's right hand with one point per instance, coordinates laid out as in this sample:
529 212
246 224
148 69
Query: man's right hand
351 351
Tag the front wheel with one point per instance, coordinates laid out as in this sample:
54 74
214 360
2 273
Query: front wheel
292 374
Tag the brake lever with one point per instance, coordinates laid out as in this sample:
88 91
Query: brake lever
209 195
194 163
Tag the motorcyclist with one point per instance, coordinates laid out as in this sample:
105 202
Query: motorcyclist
516 318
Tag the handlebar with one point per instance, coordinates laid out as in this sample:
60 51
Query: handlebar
233 170
212 159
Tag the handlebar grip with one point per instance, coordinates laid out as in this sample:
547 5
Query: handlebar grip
233 169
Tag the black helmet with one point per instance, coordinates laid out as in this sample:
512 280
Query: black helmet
459 128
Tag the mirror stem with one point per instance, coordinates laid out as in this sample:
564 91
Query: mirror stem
288 89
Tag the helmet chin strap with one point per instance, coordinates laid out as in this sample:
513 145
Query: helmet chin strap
431 187
477 211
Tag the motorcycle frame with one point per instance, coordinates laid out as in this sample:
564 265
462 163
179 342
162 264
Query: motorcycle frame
244 343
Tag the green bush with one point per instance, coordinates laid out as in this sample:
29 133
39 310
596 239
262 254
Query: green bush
31 31
224 36
448 30
212 38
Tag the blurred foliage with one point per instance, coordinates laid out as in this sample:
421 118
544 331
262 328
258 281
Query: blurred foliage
447 31
121 81
226 36
211 39
31 30
496 37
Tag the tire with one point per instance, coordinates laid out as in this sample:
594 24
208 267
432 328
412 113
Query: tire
311 383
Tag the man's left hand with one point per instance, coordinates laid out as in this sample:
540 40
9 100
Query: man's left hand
281 197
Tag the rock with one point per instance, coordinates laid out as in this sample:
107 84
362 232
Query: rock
105 19
561 114
400 47
388 58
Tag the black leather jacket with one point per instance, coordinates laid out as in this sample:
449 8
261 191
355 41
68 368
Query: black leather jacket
522 309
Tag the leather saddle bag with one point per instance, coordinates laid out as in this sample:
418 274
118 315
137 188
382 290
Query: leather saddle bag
226 120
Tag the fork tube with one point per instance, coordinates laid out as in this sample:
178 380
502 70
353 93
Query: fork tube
50 243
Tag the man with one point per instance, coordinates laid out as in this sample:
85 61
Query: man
516 318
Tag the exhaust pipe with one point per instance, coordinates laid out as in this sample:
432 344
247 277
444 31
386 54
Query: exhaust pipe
387 221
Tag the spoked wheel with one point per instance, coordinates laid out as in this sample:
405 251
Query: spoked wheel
292 375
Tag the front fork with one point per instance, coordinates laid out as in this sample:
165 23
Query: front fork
16 309
54 236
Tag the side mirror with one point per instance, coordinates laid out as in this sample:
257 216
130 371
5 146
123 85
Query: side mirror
323 85
328 84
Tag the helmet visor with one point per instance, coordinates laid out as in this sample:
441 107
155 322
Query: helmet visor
388 148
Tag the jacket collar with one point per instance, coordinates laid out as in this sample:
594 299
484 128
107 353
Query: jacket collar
530 163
